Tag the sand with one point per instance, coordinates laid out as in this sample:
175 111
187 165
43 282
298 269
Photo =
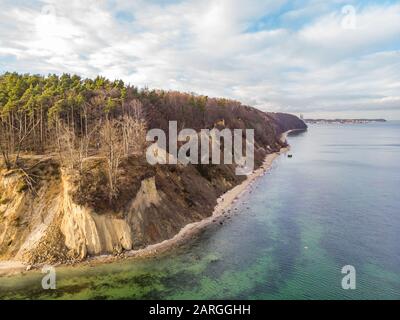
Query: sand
11 267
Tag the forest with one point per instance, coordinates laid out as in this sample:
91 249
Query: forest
42 114
53 114
75 118
72 158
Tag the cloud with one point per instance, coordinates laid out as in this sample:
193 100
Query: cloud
276 55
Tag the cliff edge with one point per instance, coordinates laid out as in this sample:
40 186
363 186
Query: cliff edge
50 215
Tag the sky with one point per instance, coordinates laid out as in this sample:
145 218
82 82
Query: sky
319 58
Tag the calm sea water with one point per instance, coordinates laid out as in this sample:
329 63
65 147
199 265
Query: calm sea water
335 203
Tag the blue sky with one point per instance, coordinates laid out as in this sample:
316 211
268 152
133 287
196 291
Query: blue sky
320 58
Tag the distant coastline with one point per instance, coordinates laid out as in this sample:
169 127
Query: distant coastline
343 121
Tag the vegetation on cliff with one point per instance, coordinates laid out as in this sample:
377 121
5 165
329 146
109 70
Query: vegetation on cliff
80 118
73 177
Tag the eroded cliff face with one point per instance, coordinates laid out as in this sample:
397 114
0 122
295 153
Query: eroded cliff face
86 232
26 214
53 216
45 224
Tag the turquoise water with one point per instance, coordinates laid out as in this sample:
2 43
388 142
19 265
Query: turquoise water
335 203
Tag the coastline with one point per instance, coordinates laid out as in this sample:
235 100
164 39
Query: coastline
221 212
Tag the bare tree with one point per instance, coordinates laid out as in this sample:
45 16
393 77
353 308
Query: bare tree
73 149
133 127
112 146
5 147
133 135
12 139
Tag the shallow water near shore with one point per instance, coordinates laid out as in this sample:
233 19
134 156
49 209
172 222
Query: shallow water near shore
335 203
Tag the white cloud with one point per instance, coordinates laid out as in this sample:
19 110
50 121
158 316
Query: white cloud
210 47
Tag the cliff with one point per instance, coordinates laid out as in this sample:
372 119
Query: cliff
284 122
46 218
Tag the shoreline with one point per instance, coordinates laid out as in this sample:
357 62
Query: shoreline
224 203
221 211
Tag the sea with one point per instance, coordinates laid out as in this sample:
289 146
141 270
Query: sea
332 207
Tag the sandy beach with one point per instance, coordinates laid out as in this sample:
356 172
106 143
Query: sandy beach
221 212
